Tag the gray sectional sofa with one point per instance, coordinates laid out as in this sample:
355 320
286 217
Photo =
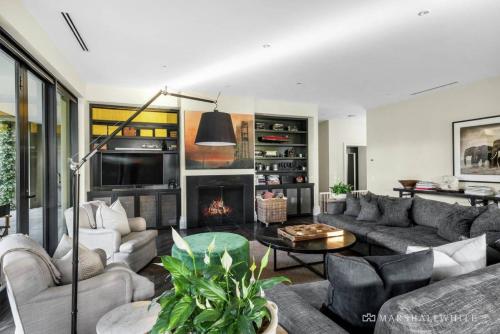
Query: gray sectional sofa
463 304
374 238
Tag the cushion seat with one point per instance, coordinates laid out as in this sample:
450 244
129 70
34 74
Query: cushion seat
398 239
135 240
349 223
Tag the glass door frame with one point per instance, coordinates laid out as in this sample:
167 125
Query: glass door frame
26 62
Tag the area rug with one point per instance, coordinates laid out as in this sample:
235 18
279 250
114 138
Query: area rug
160 277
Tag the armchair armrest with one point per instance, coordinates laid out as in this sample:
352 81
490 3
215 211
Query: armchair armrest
106 239
137 224
49 311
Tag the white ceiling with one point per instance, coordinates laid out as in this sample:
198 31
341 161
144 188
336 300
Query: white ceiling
350 55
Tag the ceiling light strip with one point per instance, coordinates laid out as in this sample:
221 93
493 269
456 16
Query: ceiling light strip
433 88
75 31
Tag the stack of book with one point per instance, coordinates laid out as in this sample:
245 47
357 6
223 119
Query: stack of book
479 191
426 185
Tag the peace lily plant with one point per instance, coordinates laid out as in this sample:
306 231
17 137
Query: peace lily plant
212 299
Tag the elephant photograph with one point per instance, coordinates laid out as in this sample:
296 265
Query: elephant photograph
476 149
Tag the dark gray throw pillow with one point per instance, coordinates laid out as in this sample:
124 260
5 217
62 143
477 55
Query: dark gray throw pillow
369 209
353 207
360 286
428 212
395 211
456 224
488 222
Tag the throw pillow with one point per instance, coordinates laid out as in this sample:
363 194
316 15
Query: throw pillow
360 286
353 206
369 209
113 217
428 212
457 258
456 224
89 263
395 211
65 245
488 222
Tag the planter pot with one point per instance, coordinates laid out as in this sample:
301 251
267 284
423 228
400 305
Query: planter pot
273 325
339 196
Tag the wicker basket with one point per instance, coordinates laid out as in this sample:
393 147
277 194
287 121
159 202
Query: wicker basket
272 210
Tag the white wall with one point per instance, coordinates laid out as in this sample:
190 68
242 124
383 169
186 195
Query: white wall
336 134
413 139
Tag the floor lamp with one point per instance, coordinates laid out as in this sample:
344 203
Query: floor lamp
215 130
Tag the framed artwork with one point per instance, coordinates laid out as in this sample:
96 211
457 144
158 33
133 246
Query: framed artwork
240 156
476 149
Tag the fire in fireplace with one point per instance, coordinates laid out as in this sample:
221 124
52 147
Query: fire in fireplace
217 209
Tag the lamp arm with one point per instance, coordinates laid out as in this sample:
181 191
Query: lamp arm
75 166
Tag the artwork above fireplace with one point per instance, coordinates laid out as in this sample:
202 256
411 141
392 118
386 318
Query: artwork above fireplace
219 200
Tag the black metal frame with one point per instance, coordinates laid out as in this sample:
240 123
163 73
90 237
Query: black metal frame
26 62
453 144
308 265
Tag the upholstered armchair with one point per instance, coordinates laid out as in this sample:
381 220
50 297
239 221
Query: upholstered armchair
136 249
39 305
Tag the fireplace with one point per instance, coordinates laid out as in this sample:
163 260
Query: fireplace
219 200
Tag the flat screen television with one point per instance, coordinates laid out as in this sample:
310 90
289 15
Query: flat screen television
120 169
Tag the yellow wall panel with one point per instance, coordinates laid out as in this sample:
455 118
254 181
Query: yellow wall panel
113 128
146 133
161 133
99 130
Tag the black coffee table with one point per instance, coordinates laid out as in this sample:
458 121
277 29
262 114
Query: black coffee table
268 236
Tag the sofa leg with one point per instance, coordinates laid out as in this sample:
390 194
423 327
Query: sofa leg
369 249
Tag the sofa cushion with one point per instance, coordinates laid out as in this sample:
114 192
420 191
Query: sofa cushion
353 206
135 240
398 239
349 223
360 286
471 299
456 224
395 211
369 209
429 212
113 217
488 222
456 258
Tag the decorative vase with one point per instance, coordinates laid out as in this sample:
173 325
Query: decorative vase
339 196
273 324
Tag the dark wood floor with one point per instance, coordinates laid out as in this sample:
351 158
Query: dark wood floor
164 245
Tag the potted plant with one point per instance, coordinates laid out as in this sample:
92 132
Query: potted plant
210 299
340 190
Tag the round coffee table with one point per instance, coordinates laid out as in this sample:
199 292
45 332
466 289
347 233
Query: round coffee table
268 236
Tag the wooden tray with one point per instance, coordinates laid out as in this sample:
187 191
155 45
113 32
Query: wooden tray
309 232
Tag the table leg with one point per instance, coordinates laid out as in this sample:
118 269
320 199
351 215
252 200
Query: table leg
301 264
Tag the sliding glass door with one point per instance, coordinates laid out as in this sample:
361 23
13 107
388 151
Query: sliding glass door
64 150
8 121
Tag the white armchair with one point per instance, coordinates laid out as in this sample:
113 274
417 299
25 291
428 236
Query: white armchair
136 249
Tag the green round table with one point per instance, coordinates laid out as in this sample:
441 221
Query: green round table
236 245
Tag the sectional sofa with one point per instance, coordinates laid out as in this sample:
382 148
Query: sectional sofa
462 304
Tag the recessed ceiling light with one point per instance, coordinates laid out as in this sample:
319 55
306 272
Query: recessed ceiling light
266 46
164 66
351 115
423 13
299 83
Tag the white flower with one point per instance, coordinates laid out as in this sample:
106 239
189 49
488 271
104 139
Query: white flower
237 288
211 246
181 243
200 305
206 259
262 294
207 304
226 261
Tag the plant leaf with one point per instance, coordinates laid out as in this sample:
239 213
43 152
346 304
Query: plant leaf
175 267
181 312
210 290
270 282
209 315
245 325
181 243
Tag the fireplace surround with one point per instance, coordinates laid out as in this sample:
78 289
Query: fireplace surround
219 200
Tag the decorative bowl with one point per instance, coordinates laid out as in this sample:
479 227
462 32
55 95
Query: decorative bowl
408 184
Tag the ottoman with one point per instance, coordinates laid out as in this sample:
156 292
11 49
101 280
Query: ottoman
236 245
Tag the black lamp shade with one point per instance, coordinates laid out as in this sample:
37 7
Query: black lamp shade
216 129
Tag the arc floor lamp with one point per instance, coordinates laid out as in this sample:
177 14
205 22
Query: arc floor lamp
215 129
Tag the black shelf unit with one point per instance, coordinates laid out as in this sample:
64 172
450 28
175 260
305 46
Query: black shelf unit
148 201
300 195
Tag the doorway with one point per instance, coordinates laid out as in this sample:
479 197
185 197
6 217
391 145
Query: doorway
355 167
